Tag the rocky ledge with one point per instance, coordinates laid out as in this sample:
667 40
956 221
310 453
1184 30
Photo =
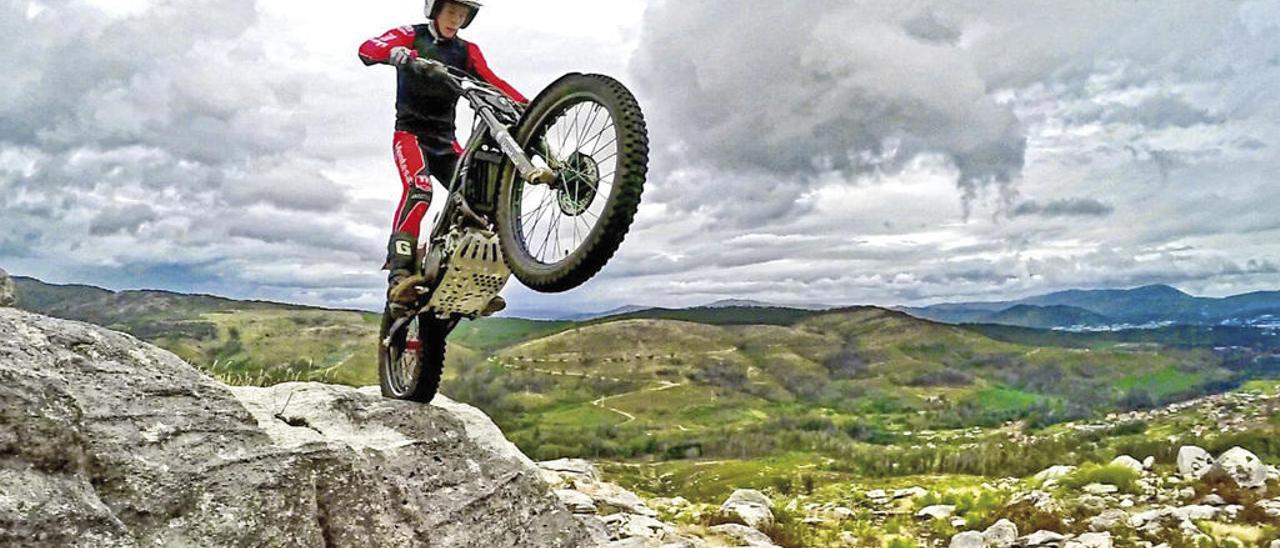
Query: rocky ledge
108 441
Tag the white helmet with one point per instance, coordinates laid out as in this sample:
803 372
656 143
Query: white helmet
433 8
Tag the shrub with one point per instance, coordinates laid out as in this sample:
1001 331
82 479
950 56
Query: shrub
1113 474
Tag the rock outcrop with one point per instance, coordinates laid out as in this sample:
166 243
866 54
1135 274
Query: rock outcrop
108 441
8 295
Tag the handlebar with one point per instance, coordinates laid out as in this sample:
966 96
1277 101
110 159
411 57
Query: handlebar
460 81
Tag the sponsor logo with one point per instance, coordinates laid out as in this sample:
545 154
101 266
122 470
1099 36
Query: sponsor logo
404 248
402 162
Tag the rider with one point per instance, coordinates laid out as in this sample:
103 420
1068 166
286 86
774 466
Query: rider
424 143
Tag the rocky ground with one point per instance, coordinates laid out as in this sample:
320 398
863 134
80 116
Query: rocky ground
108 441
1231 500
1194 499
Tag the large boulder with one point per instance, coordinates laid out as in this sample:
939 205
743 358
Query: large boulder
1244 467
8 295
1194 462
107 441
750 506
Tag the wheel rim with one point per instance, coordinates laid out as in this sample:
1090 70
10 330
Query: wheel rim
404 360
581 146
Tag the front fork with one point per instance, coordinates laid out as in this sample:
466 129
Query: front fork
530 172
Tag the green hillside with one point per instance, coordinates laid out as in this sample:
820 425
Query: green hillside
669 388
720 383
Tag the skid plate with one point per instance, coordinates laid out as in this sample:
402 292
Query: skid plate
475 274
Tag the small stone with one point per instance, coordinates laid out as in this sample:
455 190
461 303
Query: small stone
1001 534
878 495
1275 544
1107 520
1092 540
1141 519
643 526
1193 462
958 522
910 492
750 506
1127 503
1053 473
576 502
1148 462
1100 489
968 539
1232 512
1186 493
1041 538
1194 512
1271 507
611 496
572 468
1213 500
937 511
743 534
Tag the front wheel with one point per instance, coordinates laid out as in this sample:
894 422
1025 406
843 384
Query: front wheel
411 361
589 130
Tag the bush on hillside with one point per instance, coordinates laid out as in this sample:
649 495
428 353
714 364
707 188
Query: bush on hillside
1112 474
942 377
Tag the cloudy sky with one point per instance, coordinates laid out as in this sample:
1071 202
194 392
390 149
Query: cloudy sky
808 151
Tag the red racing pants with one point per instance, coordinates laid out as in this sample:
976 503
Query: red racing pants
417 168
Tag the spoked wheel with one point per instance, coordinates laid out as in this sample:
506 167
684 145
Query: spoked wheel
409 368
591 132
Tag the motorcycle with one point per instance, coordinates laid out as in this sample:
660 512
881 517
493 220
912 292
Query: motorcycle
545 193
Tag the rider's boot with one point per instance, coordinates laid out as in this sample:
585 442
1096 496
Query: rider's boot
401 282
496 304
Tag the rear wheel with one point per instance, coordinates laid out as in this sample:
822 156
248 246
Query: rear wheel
589 129
411 362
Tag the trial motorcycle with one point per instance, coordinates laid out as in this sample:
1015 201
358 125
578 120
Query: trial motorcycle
545 192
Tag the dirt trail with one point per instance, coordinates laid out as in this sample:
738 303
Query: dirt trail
599 402
666 385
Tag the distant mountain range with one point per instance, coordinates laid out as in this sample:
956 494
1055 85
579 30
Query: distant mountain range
1073 310
1112 309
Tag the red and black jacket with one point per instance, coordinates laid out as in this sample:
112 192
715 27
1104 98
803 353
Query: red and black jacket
425 107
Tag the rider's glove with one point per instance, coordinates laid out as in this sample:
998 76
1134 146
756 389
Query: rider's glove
401 55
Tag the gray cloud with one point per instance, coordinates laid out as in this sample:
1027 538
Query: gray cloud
114 219
175 136
865 87
1070 207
